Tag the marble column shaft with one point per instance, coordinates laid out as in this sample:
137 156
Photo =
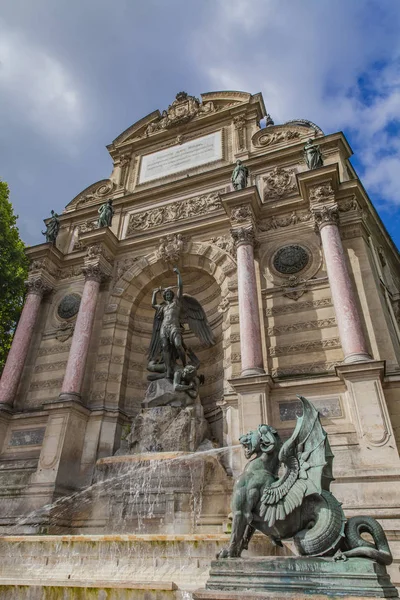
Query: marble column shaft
21 342
343 296
75 371
249 318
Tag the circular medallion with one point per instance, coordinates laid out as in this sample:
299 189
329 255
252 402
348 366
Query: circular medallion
69 306
290 259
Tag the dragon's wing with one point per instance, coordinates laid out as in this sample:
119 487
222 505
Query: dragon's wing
305 456
155 342
194 314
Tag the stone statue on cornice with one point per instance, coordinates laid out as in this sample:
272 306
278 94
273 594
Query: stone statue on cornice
52 228
239 176
106 213
313 155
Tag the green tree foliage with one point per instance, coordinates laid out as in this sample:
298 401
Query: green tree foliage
13 272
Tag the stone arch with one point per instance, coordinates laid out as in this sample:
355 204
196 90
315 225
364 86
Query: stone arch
212 272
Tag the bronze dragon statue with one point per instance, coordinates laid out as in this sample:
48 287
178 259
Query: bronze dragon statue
298 504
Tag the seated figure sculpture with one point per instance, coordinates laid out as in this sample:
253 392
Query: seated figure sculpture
298 504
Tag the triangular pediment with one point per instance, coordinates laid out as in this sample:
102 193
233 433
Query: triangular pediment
183 109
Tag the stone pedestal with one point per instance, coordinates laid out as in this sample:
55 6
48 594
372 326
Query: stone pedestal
295 578
168 429
157 492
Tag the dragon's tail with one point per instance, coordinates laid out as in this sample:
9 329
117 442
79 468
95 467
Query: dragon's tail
358 546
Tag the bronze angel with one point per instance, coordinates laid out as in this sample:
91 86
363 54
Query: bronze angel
167 340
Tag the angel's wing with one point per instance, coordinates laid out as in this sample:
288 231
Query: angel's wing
305 455
195 316
155 342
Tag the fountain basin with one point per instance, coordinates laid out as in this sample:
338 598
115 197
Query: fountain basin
155 566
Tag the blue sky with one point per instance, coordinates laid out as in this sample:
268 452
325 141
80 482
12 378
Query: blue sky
75 73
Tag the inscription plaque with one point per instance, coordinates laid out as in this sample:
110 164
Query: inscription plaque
27 437
327 407
181 158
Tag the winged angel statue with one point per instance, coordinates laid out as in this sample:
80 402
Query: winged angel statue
298 504
167 341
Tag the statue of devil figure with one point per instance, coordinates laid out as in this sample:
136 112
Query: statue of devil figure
298 504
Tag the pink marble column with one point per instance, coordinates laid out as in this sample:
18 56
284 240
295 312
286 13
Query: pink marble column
249 318
75 371
343 295
22 339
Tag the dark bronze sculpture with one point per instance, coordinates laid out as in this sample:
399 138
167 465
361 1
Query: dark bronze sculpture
106 213
298 504
52 228
313 155
239 176
166 340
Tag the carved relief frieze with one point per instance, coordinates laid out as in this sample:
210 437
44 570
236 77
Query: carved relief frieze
309 346
36 386
349 205
70 272
301 326
285 221
54 349
42 264
301 306
176 211
279 183
305 369
56 366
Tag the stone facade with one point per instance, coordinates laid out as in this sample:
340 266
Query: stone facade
298 277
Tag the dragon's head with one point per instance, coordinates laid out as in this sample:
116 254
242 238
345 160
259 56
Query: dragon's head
263 439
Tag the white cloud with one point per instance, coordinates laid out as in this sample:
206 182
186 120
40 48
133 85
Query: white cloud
37 89
315 60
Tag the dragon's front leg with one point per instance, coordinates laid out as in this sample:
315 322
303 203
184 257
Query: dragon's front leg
244 501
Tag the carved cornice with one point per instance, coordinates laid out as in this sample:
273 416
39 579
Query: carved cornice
326 215
243 236
285 221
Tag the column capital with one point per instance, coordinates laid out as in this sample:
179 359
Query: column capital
96 271
38 286
243 236
326 215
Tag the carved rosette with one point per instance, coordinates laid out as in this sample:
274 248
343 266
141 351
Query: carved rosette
243 236
37 286
326 215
